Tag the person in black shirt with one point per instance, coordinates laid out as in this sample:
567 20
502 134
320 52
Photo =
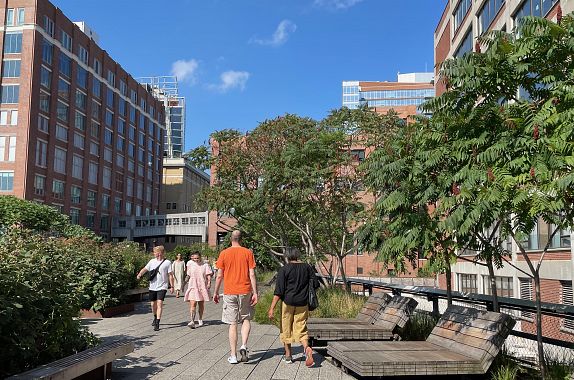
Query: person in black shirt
292 287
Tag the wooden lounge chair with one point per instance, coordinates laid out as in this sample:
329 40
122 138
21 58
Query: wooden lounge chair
368 313
464 341
395 314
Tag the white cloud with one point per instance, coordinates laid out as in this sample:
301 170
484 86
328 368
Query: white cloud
185 71
279 37
336 4
230 80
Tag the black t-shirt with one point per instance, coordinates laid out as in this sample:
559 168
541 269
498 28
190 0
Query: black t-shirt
292 284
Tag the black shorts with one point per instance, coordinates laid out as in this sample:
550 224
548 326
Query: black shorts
155 295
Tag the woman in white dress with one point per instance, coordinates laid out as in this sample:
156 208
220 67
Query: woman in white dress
178 269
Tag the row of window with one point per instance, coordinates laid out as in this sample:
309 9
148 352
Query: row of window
15 16
6 180
141 223
386 94
8 117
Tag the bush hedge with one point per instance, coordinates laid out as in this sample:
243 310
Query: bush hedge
45 281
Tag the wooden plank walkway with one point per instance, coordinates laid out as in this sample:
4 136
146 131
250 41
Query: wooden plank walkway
177 352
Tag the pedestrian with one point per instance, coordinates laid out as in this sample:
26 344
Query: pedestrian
236 268
178 269
292 288
198 284
160 284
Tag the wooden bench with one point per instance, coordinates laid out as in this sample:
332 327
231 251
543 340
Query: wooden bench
394 315
94 363
464 341
368 313
136 295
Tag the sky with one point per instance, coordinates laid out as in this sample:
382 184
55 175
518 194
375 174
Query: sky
240 62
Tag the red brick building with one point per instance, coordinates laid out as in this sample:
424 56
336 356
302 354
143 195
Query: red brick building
76 130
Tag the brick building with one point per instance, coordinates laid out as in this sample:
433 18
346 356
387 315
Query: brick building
461 23
87 136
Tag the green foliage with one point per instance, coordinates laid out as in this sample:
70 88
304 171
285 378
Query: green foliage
262 307
418 327
264 276
199 157
560 368
335 302
39 302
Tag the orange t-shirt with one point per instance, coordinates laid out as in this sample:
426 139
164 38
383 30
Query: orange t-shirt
235 263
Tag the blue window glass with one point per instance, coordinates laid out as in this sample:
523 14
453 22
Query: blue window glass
110 97
10 94
65 65
82 77
460 12
96 87
109 118
11 68
13 42
47 51
6 181
465 46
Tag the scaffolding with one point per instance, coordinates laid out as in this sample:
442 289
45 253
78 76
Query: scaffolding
165 89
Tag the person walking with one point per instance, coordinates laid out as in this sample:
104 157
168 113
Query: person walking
160 284
198 285
178 269
236 268
292 288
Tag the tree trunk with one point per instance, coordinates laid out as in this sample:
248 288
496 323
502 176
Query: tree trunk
343 275
541 358
493 289
448 275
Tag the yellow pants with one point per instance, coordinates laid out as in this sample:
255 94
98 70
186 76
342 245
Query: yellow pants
294 323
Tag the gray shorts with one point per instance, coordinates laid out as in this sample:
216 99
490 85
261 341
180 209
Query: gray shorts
236 308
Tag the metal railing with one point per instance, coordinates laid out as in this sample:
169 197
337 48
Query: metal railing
520 344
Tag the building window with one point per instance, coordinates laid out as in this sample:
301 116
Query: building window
104 222
10 94
66 41
60 160
118 205
105 201
168 206
65 65
130 187
539 8
467 283
77 167
11 68
120 160
107 178
74 216
538 238
61 132
567 299
97 66
62 111
82 78
63 89
45 77
111 78
47 51
6 180
94 148
49 26
12 42
76 194
96 88
109 118
80 121
10 17
92 195
96 110
110 98
465 46
119 182
93 173
41 153
58 189
81 100
20 16
39 185
83 55
487 14
359 270
108 136
3 140
108 154
526 294
128 208
79 141
504 286
460 12
358 155
44 102
90 220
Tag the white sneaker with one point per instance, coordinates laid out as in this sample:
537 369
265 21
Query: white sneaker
232 360
199 323
191 325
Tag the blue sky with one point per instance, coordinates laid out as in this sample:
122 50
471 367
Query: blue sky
240 62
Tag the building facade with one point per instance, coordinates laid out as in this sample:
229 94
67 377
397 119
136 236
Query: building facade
165 88
182 183
456 34
404 96
76 130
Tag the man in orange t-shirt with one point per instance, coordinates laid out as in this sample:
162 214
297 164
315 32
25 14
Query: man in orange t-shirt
236 267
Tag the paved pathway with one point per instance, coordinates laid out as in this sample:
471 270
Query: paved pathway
177 352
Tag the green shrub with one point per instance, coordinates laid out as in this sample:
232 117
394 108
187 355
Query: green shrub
419 326
264 276
337 303
263 306
559 368
39 302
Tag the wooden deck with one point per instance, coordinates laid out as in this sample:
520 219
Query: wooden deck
177 352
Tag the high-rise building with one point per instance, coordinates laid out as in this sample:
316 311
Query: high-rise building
76 130
463 21
456 34
182 183
166 90
404 96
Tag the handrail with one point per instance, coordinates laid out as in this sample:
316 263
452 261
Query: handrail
434 294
